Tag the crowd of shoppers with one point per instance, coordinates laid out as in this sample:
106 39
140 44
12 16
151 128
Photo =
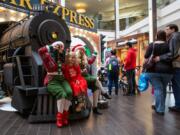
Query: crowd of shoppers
166 68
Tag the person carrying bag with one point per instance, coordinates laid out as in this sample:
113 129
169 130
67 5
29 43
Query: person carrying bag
159 73
143 82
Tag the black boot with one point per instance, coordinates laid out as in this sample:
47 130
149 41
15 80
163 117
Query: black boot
95 111
106 95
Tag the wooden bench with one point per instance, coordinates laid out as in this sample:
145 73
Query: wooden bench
41 106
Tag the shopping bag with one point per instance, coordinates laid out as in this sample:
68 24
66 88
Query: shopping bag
143 82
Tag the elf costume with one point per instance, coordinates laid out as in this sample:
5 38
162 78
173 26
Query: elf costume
52 59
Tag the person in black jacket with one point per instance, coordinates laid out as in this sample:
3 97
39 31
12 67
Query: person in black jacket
161 72
173 39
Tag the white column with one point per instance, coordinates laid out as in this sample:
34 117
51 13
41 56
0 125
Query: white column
116 6
152 20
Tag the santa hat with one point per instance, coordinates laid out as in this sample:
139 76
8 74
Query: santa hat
78 47
83 48
59 43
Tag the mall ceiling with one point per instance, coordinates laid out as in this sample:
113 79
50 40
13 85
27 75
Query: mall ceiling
105 8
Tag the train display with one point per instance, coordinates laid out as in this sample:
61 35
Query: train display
22 68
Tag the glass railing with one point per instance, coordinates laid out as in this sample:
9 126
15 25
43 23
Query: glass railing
138 20
163 3
110 25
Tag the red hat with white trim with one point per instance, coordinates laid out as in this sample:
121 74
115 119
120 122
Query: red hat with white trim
78 47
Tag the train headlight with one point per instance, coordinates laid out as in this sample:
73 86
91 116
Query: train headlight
54 35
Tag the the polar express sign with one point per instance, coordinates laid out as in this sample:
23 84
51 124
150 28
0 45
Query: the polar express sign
66 14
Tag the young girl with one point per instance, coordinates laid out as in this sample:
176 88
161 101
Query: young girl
72 73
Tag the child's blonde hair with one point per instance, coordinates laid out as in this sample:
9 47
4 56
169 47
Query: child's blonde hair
82 59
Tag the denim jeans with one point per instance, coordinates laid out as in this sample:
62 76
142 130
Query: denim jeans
159 81
176 86
131 81
113 79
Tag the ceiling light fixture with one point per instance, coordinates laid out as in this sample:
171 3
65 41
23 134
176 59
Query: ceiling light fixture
81 7
81 10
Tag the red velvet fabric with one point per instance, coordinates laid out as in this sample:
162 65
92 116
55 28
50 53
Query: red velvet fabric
76 81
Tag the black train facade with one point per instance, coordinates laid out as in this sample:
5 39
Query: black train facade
23 72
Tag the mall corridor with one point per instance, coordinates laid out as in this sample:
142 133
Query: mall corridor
125 116
55 55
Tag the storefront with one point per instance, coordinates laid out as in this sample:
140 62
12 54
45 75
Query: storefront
140 46
80 26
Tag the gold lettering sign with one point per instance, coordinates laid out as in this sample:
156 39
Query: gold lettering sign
73 16
76 18
81 20
56 9
27 2
63 12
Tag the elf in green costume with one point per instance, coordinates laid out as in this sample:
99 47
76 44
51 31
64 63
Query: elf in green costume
53 57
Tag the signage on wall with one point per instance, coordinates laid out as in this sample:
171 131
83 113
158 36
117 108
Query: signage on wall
70 16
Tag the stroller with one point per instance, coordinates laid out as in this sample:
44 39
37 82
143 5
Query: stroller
102 75
123 85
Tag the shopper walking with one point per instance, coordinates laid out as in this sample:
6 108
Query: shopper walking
161 72
173 39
